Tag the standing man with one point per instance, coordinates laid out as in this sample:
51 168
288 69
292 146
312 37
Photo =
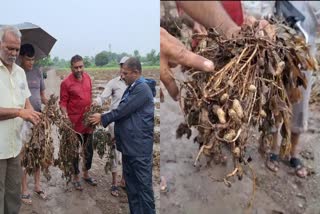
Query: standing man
75 99
37 89
134 124
14 108
115 89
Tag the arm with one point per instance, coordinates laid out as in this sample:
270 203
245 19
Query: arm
107 92
27 113
136 99
210 14
43 96
64 98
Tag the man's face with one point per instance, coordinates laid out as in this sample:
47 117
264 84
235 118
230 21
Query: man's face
9 48
27 63
77 69
128 75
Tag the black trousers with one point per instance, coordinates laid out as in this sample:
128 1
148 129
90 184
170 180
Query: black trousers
87 151
138 177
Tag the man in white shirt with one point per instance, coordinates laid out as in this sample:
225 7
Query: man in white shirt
14 108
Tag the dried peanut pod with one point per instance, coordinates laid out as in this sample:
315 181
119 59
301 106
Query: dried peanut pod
236 152
233 115
280 67
224 98
230 135
221 115
262 113
252 88
230 83
237 107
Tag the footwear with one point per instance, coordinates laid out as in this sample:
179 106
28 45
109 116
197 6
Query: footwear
300 170
114 191
77 185
26 199
41 194
272 162
90 181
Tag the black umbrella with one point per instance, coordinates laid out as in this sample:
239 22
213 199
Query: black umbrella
36 36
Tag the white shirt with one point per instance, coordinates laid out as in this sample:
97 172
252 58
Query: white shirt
114 88
13 94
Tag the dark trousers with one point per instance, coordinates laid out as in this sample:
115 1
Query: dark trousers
87 152
10 185
138 177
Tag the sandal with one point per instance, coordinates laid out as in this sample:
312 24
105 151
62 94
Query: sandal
26 199
90 181
41 194
299 167
272 162
77 185
114 191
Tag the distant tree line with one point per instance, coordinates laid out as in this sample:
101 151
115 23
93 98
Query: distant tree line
104 58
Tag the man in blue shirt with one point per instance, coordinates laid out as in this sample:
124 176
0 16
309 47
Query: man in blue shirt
134 124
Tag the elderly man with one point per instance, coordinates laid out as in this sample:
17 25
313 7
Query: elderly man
115 89
134 124
14 108
75 99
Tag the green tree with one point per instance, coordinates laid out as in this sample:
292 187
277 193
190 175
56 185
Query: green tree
45 62
86 61
136 54
101 58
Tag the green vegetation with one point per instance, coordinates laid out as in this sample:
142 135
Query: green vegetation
104 60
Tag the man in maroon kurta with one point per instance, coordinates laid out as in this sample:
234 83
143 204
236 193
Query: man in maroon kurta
75 99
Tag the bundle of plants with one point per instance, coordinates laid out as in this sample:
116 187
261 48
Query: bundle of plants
38 152
255 82
90 111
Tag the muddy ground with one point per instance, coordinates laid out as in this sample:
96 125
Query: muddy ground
191 190
65 199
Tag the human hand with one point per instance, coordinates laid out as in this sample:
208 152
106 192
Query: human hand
200 29
264 26
30 115
173 51
95 119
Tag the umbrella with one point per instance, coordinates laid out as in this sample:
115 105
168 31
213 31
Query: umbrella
39 38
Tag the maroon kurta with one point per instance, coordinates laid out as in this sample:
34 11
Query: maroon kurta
75 96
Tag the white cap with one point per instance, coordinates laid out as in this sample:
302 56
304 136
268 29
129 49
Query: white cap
123 60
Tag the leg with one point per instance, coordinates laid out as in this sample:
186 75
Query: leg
12 200
143 172
131 185
25 196
88 155
272 162
37 187
3 172
114 172
300 116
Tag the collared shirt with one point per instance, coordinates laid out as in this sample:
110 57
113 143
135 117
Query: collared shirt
13 91
75 96
115 89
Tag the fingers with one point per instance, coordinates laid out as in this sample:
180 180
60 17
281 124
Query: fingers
167 79
176 52
95 119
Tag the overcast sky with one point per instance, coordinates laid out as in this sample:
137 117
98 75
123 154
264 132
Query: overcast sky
88 27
